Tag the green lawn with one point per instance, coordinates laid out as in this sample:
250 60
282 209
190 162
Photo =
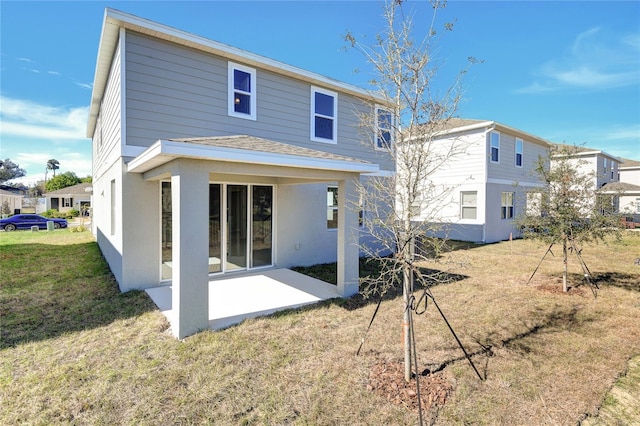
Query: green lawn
74 350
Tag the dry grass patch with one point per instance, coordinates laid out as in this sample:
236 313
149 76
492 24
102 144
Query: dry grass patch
105 357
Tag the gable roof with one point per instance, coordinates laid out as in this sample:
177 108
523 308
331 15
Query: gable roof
9 193
628 164
583 151
620 188
459 125
79 189
115 19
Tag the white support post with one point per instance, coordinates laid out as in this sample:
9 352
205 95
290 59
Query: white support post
190 275
348 237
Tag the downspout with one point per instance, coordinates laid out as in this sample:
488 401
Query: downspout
486 178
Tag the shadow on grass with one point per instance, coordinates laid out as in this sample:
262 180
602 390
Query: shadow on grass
517 343
50 290
369 267
617 279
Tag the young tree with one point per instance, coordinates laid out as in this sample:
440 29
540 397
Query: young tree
569 210
62 181
10 170
407 130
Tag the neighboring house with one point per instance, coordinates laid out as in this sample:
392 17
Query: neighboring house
602 167
629 188
488 183
76 197
209 160
11 200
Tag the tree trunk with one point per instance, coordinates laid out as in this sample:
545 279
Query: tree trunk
565 288
406 331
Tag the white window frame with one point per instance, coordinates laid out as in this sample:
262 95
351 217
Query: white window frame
507 206
232 91
378 139
332 207
464 206
312 126
519 151
604 170
67 202
493 132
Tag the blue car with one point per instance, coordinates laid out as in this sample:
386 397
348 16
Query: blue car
26 221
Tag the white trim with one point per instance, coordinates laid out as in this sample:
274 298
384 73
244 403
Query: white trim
252 93
312 127
513 182
163 151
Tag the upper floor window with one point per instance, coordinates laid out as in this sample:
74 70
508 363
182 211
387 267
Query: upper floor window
242 91
384 121
613 166
519 152
604 171
495 147
324 107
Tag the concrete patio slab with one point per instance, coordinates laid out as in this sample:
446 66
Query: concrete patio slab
237 298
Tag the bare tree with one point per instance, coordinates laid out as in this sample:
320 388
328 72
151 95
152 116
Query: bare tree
569 210
407 128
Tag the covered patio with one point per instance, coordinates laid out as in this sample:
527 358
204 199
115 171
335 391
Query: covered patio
233 299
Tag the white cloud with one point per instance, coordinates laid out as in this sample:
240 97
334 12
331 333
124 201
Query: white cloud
28 119
595 61
87 86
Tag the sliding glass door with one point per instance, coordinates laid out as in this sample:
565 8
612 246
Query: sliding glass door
240 227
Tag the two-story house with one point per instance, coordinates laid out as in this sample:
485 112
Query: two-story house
487 181
210 161
629 188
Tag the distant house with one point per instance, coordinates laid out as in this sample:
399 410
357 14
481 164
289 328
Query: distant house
628 188
11 200
76 197
489 182
603 168
210 161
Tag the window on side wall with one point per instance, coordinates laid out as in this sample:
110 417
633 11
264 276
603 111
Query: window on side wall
384 124
507 209
519 148
469 205
332 207
613 166
495 147
604 171
324 108
242 91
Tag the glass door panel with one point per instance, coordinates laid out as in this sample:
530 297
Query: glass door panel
261 225
215 228
236 227
166 230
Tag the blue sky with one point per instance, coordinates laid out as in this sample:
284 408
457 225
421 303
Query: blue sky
565 71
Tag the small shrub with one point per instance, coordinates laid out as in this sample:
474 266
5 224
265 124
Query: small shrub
51 213
79 228
72 213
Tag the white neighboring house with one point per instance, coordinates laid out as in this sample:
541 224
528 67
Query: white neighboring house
488 184
11 200
603 167
209 160
75 197
629 188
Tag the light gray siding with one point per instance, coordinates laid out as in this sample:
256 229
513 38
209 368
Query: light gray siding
107 135
506 170
177 92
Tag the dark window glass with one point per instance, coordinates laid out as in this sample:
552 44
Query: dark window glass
324 128
324 104
242 81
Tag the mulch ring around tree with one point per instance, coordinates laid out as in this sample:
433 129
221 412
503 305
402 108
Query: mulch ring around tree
386 379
